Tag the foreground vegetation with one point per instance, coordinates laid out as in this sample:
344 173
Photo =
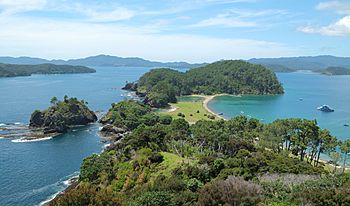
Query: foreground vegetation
242 161
161 86
14 70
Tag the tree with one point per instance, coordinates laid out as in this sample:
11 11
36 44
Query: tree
345 148
335 157
54 100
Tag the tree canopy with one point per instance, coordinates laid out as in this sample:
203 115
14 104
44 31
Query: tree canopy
235 162
161 86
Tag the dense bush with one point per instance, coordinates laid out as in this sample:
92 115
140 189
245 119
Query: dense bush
161 86
87 194
232 191
235 162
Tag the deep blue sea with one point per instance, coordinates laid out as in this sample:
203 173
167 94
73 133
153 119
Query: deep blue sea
32 172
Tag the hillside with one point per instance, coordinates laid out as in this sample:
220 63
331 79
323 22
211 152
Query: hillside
161 86
305 63
100 60
335 71
236 162
13 70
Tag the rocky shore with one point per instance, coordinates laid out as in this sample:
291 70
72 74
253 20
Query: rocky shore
62 116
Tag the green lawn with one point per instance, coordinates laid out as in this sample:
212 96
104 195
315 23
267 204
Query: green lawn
189 108
171 162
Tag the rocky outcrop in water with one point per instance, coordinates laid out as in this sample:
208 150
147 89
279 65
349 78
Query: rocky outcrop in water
62 115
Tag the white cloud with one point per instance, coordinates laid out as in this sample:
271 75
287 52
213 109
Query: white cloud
109 16
224 20
341 7
239 18
14 6
339 28
57 39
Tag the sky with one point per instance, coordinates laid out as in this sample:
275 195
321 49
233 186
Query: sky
174 30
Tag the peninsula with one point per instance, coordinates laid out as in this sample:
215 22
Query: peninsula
335 71
14 70
159 87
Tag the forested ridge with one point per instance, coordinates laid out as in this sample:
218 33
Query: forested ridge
241 161
13 70
335 71
161 86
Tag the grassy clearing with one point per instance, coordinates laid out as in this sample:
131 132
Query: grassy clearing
170 162
192 109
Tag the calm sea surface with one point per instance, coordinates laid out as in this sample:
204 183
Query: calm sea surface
304 92
32 172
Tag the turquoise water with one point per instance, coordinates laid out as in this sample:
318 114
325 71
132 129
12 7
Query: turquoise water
32 172
304 92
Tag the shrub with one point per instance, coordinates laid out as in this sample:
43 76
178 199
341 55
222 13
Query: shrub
232 191
154 198
87 194
193 184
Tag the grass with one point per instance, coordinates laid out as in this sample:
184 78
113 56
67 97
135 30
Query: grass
189 109
171 161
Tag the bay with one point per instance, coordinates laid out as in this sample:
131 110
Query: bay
304 92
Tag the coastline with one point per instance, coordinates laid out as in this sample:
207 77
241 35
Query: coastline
206 101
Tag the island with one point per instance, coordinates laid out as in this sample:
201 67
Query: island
159 87
14 70
241 161
334 71
61 116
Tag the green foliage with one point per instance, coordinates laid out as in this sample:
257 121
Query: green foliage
87 194
193 184
235 162
154 198
129 115
13 70
94 165
161 86
62 115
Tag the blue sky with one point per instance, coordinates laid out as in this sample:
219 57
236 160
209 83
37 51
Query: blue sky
174 30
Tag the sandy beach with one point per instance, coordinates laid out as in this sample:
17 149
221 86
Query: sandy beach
206 100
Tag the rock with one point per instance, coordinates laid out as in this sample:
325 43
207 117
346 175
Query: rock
131 86
61 116
37 119
110 130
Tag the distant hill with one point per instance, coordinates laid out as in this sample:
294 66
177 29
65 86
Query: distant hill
284 64
335 71
304 63
13 70
100 60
